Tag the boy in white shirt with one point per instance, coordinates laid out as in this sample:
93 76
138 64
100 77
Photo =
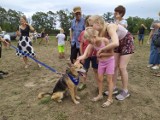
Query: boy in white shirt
61 42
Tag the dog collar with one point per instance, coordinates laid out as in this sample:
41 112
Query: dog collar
73 79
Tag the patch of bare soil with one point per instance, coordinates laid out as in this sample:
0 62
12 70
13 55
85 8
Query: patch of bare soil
19 90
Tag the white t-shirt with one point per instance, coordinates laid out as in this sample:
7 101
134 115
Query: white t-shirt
60 38
123 22
7 37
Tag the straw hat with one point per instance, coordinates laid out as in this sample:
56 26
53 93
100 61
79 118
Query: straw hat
77 9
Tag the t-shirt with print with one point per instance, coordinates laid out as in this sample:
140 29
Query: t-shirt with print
60 38
85 44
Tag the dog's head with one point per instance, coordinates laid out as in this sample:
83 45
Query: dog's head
76 69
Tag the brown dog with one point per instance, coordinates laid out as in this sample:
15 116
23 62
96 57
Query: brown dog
67 82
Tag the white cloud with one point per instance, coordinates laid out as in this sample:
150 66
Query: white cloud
141 8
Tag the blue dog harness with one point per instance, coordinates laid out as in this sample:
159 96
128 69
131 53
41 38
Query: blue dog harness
74 80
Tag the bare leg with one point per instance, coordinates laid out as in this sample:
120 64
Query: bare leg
100 88
124 60
25 59
110 86
117 57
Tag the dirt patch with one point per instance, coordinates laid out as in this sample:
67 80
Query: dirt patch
19 90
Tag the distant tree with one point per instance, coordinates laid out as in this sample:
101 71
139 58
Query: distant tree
108 17
42 20
135 22
65 17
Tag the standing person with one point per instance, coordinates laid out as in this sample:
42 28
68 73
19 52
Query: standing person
8 39
24 43
154 58
122 41
141 34
91 57
157 25
105 63
35 36
47 39
42 36
61 43
77 26
119 13
4 41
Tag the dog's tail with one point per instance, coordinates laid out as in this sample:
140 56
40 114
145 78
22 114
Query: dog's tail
41 95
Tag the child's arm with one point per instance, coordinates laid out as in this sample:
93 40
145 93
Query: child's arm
86 53
109 52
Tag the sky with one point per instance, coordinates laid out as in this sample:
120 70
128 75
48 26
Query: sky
140 8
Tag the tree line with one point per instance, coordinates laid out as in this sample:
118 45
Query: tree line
9 20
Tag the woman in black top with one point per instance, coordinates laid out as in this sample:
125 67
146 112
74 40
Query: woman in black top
24 43
42 36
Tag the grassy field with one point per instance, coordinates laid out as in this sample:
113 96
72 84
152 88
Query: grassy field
19 89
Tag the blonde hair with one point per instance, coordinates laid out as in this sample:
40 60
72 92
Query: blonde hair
61 30
99 19
87 20
90 33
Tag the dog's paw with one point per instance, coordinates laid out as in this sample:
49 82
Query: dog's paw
59 101
40 95
77 97
76 102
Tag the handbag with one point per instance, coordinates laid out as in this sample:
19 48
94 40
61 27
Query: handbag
156 39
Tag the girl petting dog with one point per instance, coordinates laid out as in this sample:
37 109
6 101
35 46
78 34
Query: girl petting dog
105 62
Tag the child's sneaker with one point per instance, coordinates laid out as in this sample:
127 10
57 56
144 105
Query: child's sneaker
81 87
123 95
115 91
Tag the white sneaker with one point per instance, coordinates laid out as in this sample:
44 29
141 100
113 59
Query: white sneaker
150 65
155 67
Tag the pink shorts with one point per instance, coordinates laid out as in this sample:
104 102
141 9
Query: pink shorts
106 66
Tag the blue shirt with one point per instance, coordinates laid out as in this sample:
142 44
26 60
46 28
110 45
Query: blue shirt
76 30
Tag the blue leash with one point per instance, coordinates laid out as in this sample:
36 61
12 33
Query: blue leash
37 61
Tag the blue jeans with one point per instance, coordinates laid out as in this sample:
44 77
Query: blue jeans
154 55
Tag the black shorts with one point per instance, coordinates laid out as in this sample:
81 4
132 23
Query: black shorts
74 53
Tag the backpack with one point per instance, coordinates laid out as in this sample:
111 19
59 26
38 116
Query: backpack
156 39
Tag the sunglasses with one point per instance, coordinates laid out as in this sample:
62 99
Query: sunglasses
78 13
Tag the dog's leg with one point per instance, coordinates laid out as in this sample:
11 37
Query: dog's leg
76 96
72 92
57 96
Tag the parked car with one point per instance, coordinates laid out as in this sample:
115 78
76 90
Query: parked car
12 35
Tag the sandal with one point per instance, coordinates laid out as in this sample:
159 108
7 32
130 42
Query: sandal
107 103
95 99
26 66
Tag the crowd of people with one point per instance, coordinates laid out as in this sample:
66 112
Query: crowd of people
107 46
